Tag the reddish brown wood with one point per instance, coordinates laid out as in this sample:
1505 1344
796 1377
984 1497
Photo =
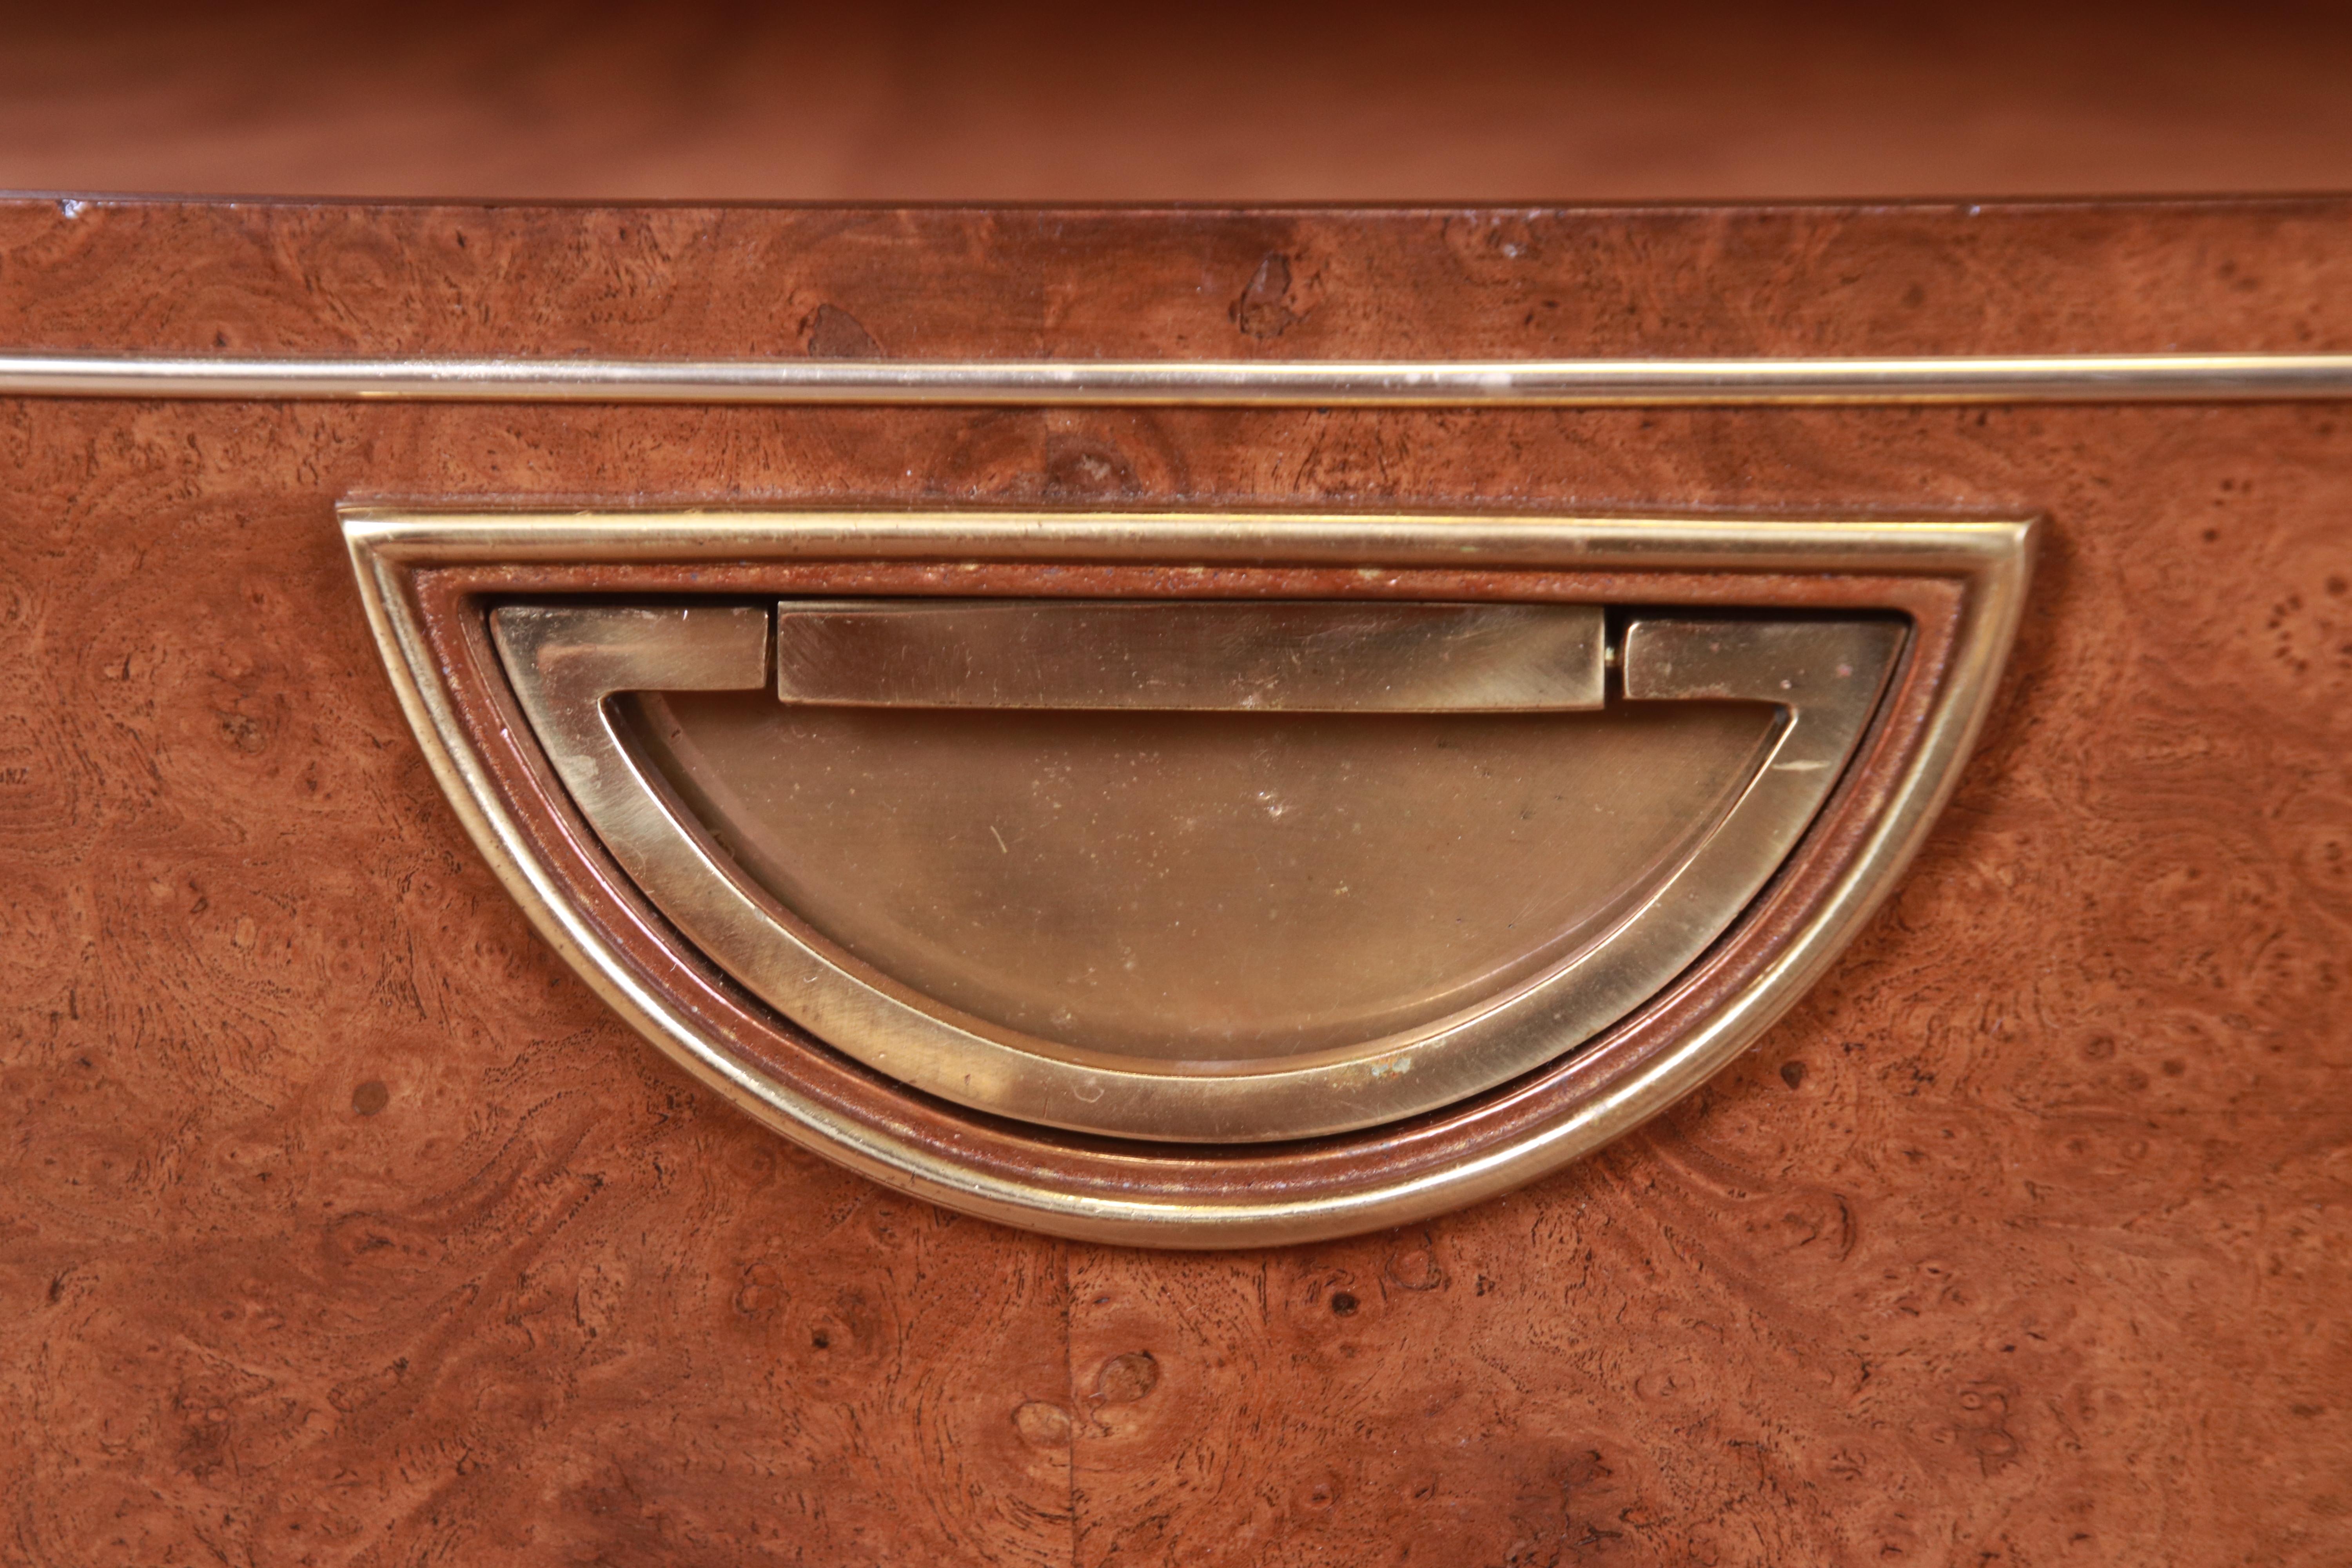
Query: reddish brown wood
339 1223
1059 101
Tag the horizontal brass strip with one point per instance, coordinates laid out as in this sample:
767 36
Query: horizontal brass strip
1276 657
1429 384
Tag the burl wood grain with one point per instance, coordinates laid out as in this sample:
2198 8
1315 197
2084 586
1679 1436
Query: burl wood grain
339 1225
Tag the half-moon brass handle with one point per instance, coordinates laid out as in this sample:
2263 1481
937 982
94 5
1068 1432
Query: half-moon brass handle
1242 871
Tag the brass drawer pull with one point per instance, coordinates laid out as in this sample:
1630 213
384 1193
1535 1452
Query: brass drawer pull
1195 877
1305 929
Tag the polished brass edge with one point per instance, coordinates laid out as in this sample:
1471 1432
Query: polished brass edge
1520 538
1995 555
1985 639
1246 384
387 593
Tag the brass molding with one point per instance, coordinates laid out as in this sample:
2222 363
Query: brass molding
1860 657
1244 384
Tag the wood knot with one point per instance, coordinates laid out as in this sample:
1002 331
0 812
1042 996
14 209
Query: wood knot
832 333
1264 310
1125 1379
1042 1425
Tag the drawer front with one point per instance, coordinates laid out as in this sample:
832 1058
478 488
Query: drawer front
347 1217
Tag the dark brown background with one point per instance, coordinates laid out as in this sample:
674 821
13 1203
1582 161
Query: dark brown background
1211 101
340 1223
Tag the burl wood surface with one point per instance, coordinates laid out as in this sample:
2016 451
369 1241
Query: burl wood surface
339 1225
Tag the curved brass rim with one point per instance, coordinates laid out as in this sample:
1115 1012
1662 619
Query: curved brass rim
1990 558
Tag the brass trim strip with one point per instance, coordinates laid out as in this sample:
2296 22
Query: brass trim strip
1398 384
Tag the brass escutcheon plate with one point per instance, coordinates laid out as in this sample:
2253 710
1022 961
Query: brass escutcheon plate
1194 878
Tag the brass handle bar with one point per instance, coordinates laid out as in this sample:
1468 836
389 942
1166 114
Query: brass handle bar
1423 383
1272 656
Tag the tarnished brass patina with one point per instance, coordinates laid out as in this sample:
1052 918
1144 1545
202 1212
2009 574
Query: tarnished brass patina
1178 868
1245 928
1331 657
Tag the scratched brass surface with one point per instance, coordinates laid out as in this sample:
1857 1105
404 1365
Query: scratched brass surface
1196 889
1179 949
1273 657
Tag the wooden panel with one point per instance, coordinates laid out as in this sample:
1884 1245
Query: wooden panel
1064 100
342 1226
